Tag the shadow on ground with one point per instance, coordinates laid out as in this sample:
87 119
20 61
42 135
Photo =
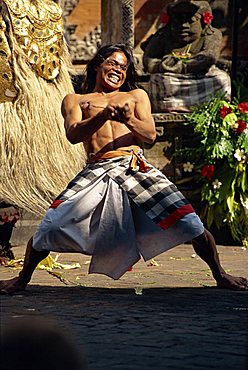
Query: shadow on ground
160 328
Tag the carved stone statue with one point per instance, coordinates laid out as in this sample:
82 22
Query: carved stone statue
181 58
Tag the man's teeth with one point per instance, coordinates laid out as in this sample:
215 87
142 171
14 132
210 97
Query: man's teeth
114 78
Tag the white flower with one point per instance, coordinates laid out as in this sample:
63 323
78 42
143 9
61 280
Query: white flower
167 144
216 184
239 154
188 167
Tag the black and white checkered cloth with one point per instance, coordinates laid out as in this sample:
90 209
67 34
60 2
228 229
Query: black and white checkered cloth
171 92
158 197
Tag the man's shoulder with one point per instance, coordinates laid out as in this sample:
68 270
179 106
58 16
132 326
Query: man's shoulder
75 98
138 93
71 97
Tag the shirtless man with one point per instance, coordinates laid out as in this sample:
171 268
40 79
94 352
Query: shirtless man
118 207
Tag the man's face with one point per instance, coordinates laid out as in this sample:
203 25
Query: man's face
111 74
186 26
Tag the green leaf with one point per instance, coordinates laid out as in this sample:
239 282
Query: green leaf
242 141
244 181
225 147
210 217
230 120
230 203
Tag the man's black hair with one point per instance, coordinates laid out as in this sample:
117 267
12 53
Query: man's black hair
103 53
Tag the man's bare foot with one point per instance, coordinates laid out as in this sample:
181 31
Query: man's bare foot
232 282
12 286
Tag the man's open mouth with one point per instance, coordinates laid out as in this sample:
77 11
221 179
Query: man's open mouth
113 77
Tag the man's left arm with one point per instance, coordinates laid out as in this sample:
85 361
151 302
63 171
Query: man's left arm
140 120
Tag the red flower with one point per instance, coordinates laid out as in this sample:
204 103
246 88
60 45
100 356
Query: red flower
164 18
241 126
207 17
243 107
207 171
224 111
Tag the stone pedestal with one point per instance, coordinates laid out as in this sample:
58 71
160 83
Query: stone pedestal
171 136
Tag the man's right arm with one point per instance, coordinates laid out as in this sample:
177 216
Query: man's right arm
77 128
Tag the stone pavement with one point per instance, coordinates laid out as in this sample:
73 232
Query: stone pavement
162 317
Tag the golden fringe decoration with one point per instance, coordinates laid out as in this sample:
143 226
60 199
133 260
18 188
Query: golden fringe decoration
36 159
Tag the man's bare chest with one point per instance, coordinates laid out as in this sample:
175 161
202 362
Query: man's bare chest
92 104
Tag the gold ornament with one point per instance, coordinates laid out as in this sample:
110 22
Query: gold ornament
38 29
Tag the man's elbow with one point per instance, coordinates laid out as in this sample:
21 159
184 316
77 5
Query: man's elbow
151 138
71 138
72 134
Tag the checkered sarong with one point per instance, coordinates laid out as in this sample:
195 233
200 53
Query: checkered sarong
116 213
158 197
171 92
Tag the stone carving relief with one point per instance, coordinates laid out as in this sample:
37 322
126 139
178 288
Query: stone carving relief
128 22
81 50
68 6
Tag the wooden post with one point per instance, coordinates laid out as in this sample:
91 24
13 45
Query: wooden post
117 21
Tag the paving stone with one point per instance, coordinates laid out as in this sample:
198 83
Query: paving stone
180 321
